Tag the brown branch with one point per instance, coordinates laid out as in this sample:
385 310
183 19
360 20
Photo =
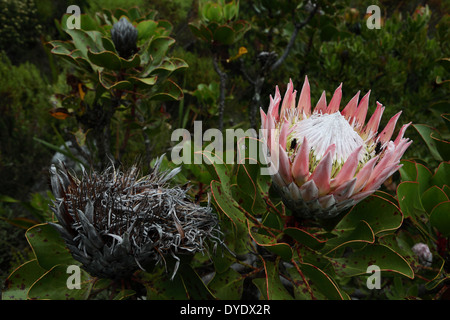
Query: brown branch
297 27
258 80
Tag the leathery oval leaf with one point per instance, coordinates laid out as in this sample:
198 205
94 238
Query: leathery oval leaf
62 283
323 282
21 279
379 212
48 246
440 218
105 59
358 262
305 238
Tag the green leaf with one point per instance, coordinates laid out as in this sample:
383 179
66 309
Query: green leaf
222 260
402 242
227 285
423 177
48 246
408 171
124 294
442 175
164 28
271 219
167 91
53 285
362 233
194 285
248 191
386 259
144 82
305 238
21 279
440 218
417 172
201 32
224 35
240 27
324 283
212 12
160 287
105 59
5 198
218 169
65 150
158 49
230 11
84 40
108 45
113 85
163 70
271 244
227 204
442 145
252 186
377 211
62 47
146 29
89 23
446 189
271 287
133 62
409 200
432 197
425 132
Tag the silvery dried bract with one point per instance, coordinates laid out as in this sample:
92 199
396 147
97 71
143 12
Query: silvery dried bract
116 222
124 35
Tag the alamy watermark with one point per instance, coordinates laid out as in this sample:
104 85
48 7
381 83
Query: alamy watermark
74 280
230 147
374 281
74 21
374 20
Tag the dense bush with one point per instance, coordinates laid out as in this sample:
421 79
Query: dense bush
24 115
20 27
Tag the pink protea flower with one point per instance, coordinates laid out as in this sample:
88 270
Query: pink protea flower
326 160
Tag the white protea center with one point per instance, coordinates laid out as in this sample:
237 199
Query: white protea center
326 160
324 130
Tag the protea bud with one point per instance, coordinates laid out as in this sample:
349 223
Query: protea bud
116 222
124 35
423 253
327 160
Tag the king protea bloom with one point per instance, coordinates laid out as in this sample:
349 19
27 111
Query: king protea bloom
325 160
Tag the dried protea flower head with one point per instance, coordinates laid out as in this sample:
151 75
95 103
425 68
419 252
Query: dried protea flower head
326 160
124 35
116 222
